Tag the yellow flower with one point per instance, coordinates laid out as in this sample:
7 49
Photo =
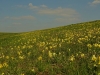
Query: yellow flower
50 47
59 45
89 45
29 53
99 60
19 52
72 58
5 64
82 55
33 70
98 73
43 51
7 57
54 54
22 74
94 58
59 53
12 58
50 54
95 45
40 58
2 74
1 65
21 57
46 48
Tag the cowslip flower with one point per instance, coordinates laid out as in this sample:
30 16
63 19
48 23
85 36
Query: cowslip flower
40 58
82 55
22 74
7 57
5 64
2 74
89 45
72 58
99 60
94 58
21 57
54 54
50 54
1 65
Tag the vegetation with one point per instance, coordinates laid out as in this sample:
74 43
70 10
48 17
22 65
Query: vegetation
67 50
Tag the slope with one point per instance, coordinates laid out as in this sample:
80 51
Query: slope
67 50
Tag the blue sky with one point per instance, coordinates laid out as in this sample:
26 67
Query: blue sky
30 15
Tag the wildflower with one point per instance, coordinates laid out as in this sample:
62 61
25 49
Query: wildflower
98 73
29 53
1 65
99 60
89 45
40 58
76 54
19 52
50 47
50 54
62 40
54 54
82 55
5 64
24 47
11 48
33 70
21 57
79 41
95 45
59 45
18 47
7 57
43 51
46 48
2 74
95 65
59 53
22 74
69 50
12 58
72 58
94 58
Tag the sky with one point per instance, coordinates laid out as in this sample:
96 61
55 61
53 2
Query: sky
31 15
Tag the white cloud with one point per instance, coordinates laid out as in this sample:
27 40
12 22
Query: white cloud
21 18
32 7
21 6
64 12
95 2
44 6
61 13
16 23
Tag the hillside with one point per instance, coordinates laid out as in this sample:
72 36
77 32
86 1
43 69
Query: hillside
68 50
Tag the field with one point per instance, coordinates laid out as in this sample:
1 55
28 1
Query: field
68 50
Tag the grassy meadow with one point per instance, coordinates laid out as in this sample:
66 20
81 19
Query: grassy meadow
68 50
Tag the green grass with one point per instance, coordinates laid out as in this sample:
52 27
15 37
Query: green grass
68 50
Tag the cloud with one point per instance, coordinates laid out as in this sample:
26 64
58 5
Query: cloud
61 13
44 6
21 18
21 6
64 12
95 2
32 7
16 23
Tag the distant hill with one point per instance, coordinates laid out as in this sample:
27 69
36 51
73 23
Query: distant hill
67 50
